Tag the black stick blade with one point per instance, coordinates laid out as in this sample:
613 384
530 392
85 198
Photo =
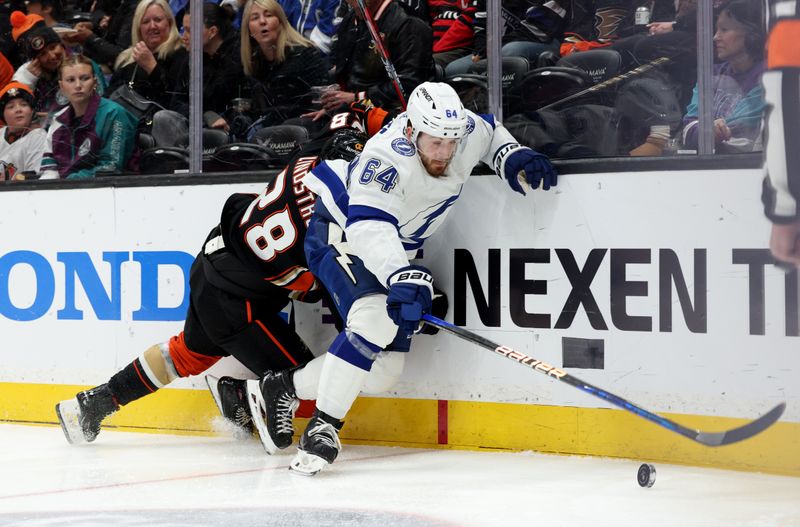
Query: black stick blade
743 432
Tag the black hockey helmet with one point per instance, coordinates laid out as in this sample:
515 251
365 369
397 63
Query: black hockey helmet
345 144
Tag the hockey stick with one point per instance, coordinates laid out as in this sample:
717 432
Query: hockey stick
610 82
387 62
705 438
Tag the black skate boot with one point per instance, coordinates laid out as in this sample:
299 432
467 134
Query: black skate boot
231 397
273 403
319 445
81 417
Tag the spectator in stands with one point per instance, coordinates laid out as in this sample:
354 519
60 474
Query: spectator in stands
44 51
738 93
674 38
223 78
157 61
109 32
359 70
531 28
453 35
314 19
51 11
222 66
22 142
91 133
281 64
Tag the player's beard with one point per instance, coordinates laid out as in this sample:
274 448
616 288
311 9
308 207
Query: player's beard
434 167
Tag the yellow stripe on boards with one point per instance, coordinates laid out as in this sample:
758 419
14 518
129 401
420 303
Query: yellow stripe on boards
469 425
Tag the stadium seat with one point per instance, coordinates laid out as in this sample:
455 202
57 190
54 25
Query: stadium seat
284 140
514 68
600 64
163 160
472 90
241 157
544 86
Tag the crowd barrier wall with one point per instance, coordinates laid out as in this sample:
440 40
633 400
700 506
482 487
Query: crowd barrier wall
657 286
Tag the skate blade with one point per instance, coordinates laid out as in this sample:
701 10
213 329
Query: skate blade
258 410
306 464
68 413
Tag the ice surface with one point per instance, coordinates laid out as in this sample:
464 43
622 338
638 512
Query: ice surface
127 479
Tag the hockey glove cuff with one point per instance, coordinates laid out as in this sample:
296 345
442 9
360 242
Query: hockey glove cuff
410 296
518 164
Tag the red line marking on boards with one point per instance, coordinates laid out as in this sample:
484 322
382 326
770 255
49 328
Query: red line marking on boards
442 422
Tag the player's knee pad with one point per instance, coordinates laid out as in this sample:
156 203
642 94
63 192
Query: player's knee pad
158 365
385 371
369 319
354 349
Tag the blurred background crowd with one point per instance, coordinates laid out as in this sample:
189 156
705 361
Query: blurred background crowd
102 87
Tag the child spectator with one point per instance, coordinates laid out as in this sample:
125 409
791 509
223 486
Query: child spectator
44 51
91 133
21 142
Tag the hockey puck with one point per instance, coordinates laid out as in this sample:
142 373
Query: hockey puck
646 475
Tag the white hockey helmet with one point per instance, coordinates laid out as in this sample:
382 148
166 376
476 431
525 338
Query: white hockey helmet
435 108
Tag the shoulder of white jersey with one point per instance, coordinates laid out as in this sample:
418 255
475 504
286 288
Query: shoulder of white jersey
480 121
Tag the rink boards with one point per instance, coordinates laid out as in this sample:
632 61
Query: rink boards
656 286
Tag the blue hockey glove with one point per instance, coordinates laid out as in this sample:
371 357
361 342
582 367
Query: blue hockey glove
410 293
523 164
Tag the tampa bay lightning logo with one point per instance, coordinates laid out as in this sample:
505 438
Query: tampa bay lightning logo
470 125
403 146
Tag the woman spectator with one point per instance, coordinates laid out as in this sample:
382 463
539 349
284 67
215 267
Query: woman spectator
21 142
92 133
157 62
738 94
280 63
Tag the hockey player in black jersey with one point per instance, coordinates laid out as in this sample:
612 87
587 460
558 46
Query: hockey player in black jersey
249 268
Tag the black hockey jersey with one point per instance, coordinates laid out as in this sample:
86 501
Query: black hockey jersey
257 248
264 234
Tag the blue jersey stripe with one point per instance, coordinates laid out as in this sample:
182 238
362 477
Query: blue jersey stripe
365 212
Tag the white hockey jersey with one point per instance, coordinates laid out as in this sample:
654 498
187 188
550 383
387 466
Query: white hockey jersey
385 200
23 155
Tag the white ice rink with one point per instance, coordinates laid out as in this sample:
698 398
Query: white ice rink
160 480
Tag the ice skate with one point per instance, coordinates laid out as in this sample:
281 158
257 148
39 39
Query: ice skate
81 417
273 403
319 445
231 397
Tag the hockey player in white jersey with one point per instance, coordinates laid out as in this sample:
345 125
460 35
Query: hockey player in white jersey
371 217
